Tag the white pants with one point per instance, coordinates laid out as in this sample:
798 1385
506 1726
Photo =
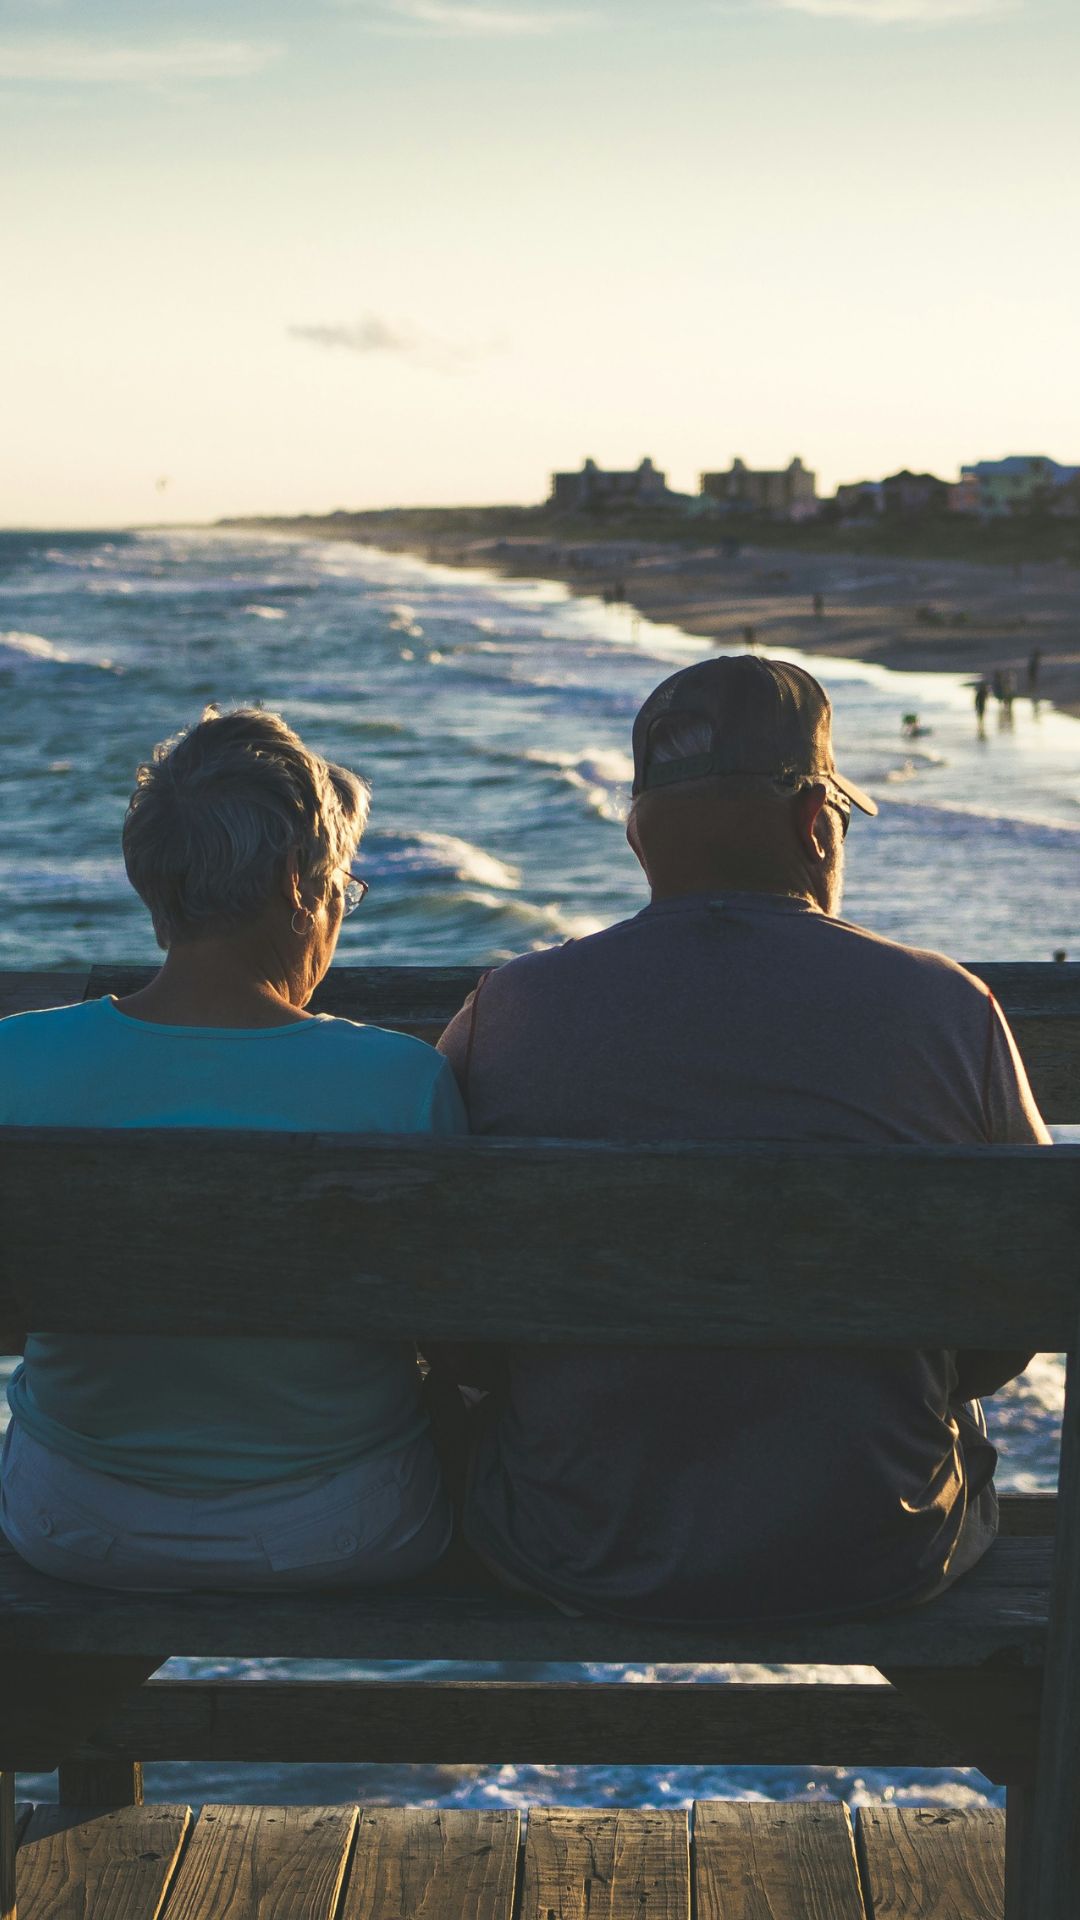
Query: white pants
382 1520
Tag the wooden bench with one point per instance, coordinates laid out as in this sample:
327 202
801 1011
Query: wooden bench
548 1241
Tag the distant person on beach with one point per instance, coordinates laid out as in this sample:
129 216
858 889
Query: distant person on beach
736 1006
982 696
749 635
257 1462
1033 666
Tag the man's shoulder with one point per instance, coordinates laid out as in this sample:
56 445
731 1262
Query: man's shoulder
550 966
918 969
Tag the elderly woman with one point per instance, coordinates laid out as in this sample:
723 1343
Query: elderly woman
255 1462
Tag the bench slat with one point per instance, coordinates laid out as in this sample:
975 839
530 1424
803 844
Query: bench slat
455 1863
791 1861
459 1723
450 1239
998 1611
623 1863
932 1863
264 1863
75 1862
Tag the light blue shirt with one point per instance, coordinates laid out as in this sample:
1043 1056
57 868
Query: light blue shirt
198 1415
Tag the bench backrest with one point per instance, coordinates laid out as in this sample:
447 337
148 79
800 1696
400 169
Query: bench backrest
222 1232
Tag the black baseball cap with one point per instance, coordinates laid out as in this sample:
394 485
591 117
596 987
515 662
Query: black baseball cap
764 717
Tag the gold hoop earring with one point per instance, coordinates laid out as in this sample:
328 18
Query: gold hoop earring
307 920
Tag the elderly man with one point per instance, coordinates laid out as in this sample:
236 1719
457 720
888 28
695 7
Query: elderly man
737 1006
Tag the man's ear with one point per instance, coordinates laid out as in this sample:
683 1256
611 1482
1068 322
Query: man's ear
807 809
633 840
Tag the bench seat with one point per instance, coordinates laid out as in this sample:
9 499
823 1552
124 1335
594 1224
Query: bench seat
998 1613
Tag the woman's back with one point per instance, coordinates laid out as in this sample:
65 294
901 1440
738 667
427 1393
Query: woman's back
198 1415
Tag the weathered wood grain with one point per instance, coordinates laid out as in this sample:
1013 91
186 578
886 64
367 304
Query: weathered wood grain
997 1612
534 1723
264 1863
1053 1817
933 1863
618 1864
29 992
457 1237
11 1824
792 1861
1027 1513
99 1781
421 1863
53 1699
78 1864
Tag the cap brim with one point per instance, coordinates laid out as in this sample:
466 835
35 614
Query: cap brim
855 794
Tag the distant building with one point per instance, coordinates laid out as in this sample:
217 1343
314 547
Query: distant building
789 494
963 494
1017 484
911 493
601 487
859 499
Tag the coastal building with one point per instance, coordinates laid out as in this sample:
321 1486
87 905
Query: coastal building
789 493
912 493
596 488
859 499
1018 484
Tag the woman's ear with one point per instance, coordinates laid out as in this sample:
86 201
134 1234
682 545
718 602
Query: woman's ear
290 884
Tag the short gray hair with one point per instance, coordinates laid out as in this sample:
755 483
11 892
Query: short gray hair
218 811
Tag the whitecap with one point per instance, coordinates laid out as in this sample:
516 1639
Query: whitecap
266 613
28 646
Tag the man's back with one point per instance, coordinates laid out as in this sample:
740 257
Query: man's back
713 1483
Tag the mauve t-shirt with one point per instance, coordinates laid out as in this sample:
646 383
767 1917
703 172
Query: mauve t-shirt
702 1483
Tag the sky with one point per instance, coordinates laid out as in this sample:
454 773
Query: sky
270 257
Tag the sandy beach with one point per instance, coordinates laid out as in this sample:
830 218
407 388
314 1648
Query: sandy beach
913 615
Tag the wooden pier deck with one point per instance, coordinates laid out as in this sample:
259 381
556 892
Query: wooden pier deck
724 1860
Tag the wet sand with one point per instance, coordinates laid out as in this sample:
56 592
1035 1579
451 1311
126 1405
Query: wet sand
910 615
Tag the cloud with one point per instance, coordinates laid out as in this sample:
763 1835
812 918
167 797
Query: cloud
374 334
930 13
65 59
493 22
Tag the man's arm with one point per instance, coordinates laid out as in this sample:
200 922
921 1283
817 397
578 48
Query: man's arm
1011 1118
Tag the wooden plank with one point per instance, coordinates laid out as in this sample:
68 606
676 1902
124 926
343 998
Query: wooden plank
449 1238
10 1826
264 1863
790 1861
420 1863
436 993
100 1782
54 1699
933 1863
28 992
1053 1823
615 1864
997 1612
76 1863
539 1723
1028 1513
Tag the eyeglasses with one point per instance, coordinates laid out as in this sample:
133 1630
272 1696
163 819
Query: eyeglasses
353 892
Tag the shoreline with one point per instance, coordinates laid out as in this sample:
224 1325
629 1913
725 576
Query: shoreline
915 616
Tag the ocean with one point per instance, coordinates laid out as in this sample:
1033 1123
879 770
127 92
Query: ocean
493 720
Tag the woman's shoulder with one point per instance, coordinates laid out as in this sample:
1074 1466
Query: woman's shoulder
47 1027
403 1051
